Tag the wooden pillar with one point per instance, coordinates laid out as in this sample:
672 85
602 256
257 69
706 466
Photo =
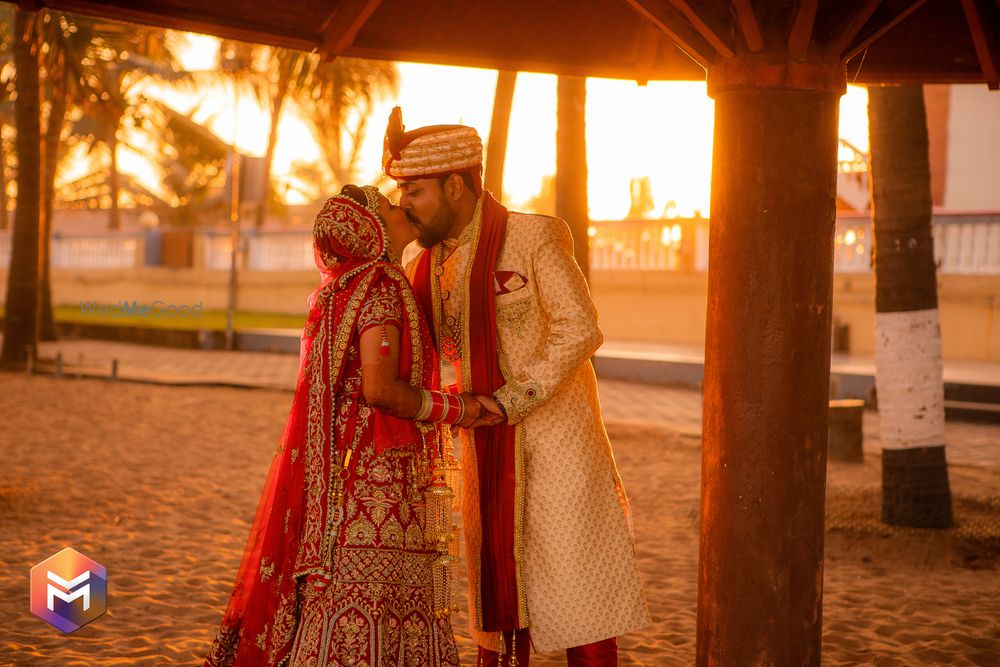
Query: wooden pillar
767 361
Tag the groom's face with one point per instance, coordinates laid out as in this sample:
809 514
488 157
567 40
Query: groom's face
428 209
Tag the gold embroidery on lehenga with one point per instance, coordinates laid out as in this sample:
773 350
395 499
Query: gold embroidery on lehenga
266 569
360 532
383 305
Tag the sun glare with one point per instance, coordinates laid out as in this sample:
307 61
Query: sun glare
661 131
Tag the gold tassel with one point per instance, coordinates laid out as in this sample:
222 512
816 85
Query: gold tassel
441 534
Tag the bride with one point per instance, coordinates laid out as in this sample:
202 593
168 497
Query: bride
348 560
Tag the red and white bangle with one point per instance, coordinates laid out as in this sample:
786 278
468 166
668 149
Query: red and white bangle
439 406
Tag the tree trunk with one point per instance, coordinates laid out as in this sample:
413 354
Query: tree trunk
908 365
571 165
4 215
53 134
335 148
277 102
20 327
115 221
496 149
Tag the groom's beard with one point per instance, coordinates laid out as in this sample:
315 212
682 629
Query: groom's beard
436 229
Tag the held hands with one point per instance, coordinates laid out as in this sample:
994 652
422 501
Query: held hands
480 411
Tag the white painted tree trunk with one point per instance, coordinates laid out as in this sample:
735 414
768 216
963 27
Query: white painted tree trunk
909 379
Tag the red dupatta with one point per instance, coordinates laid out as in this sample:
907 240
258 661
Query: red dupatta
294 530
495 446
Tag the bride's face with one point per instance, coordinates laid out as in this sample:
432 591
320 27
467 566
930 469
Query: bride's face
401 232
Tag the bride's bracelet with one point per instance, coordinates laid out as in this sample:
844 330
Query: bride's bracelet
440 406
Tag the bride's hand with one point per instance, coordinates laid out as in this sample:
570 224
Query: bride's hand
490 415
473 409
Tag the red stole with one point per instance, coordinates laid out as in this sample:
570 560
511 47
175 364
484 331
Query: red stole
495 445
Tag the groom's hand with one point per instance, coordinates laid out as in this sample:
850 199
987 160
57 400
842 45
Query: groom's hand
491 414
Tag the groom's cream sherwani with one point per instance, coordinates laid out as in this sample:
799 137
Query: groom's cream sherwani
578 581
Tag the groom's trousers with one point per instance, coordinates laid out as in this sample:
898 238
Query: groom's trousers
598 654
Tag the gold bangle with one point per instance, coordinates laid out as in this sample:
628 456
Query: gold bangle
425 406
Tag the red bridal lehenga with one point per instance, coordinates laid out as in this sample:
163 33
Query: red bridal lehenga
344 499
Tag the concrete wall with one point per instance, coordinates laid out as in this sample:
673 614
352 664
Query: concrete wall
274 292
648 306
973 152
671 307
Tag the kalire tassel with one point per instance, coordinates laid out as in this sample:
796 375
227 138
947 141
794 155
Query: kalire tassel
439 534
383 347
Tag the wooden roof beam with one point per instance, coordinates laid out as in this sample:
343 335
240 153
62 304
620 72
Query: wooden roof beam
838 45
647 44
220 27
749 26
344 24
986 47
865 38
801 33
668 21
707 26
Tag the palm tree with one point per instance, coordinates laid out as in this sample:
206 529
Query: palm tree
496 149
337 99
571 164
104 61
291 70
21 322
6 102
908 367
92 65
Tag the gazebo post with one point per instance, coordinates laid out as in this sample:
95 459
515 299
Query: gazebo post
767 360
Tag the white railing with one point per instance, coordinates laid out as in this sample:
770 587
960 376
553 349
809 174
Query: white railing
852 245
281 251
648 245
93 251
964 243
216 250
106 251
968 244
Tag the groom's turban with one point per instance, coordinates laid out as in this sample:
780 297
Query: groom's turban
427 152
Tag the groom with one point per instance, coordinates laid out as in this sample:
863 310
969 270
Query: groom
548 540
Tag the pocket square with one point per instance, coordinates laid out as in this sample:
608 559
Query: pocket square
506 282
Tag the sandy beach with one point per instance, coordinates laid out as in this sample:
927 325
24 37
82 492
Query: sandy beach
159 484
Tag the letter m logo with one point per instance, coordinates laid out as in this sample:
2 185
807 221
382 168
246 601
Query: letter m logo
69 595
69 590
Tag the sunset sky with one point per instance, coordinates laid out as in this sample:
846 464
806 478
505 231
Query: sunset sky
662 130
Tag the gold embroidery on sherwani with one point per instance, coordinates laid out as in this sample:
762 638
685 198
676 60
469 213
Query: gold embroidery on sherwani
520 397
460 290
515 314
